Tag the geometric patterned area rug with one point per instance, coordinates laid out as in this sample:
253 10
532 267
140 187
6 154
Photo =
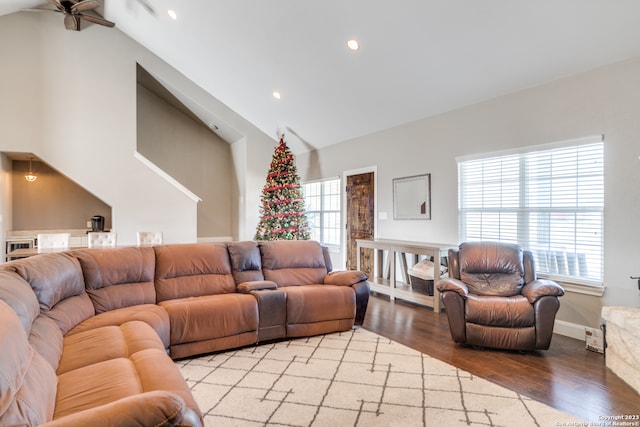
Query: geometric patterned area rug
353 378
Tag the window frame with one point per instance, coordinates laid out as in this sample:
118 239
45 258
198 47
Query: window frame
590 285
323 181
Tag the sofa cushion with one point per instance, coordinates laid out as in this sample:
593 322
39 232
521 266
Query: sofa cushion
317 303
46 339
489 268
211 316
507 312
58 284
327 259
319 309
106 382
246 264
44 335
523 339
191 270
15 357
116 278
109 342
95 385
71 312
154 315
53 277
149 362
293 262
187 350
18 295
27 381
34 402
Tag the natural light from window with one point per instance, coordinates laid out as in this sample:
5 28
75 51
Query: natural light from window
549 199
322 201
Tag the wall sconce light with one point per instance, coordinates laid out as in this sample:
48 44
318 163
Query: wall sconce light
30 176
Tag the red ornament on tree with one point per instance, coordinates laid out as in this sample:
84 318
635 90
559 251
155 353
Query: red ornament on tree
282 213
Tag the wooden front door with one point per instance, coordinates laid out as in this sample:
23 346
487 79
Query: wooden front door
360 220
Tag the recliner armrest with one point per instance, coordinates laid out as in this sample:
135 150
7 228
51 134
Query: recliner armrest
540 288
151 408
258 285
449 284
345 278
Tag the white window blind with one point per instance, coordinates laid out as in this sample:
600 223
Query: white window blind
322 201
549 200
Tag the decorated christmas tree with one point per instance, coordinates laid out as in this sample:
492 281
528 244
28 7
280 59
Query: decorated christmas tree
282 214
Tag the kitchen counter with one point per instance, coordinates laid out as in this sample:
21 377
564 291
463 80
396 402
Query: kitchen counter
27 239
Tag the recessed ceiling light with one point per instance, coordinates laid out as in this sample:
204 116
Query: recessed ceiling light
276 94
353 44
172 14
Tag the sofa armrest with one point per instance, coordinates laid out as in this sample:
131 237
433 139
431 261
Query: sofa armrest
147 409
345 278
272 314
540 288
258 285
449 284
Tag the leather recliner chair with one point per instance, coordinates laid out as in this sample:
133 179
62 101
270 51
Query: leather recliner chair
493 298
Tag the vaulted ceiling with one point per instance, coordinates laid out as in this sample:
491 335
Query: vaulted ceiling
417 58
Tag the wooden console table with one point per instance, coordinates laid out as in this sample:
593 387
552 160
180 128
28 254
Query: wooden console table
385 282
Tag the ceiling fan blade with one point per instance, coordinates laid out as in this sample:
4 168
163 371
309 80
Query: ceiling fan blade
84 5
97 20
71 22
145 4
36 9
57 5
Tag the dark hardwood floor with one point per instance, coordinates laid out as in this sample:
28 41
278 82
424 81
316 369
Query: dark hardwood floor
566 376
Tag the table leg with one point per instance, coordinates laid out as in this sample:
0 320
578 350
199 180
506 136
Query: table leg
404 267
436 277
379 263
392 273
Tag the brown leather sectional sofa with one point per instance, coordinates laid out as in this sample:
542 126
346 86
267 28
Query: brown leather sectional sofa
87 336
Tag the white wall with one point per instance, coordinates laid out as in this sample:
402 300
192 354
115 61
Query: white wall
251 152
604 101
80 117
20 85
70 98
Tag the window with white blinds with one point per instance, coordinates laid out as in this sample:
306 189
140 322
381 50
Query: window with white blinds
322 202
549 200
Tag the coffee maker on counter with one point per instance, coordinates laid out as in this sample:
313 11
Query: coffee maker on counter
97 223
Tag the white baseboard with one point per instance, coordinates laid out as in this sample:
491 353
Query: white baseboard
572 330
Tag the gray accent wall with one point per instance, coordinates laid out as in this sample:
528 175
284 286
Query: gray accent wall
53 201
192 154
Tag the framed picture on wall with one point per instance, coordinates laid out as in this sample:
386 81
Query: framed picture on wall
412 197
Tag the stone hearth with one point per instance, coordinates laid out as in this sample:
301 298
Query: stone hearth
622 354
